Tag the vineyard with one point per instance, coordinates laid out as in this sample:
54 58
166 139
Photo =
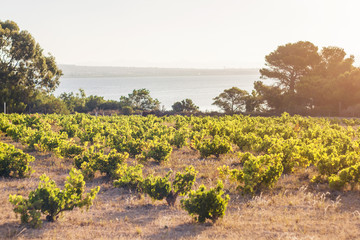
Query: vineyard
287 177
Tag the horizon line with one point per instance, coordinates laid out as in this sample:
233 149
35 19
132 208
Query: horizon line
193 68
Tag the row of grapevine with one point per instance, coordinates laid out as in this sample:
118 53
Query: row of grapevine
267 147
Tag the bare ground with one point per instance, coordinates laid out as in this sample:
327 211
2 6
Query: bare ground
292 210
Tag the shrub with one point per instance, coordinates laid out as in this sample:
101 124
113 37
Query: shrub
160 151
182 184
203 204
350 175
159 188
88 160
70 150
216 146
91 161
48 199
110 163
127 110
179 138
257 172
14 162
129 177
17 132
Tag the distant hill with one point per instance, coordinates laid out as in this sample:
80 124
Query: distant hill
93 71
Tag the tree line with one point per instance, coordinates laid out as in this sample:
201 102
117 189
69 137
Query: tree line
306 80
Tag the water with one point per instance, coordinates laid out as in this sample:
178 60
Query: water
168 90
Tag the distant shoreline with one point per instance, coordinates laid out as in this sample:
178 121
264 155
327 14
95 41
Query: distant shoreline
74 71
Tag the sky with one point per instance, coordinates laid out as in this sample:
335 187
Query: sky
183 33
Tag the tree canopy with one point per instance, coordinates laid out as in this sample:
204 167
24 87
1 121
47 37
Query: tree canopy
289 63
25 72
232 100
310 81
186 105
140 99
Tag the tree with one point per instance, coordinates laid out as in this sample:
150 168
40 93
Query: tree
289 63
332 85
74 102
186 105
25 71
271 96
140 100
324 82
93 102
253 102
45 103
231 100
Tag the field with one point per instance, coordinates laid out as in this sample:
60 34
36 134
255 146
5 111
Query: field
287 177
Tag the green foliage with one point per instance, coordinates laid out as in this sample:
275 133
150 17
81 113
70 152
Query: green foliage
157 187
186 105
231 100
127 110
160 151
179 138
184 181
44 103
203 204
74 102
282 145
157 149
91 155
290 62
111 163
257 172
215 146
350 175
49 200
140 100
130 177
93 102
310 81
25 72
17 132
14 162
332 163
91 161
70 150
79 102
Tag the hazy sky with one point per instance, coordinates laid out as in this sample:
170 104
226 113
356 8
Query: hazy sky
183 33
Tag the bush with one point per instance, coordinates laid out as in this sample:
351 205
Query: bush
159 188
160 151
216 146
350 175
257 172
49 200
14 162
110 163
71 150
179 138
203 204
91 161
182 184
129 177
127 110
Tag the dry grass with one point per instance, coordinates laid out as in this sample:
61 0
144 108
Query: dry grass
292 210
